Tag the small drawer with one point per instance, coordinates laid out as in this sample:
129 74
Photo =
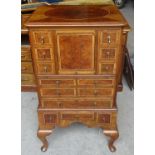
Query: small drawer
73 116
53 92
26 67
45 68
26 56
43 54
104 92
105 68
27 79
95 82
41 37
104 118
107 54
50 118
57 82
110 37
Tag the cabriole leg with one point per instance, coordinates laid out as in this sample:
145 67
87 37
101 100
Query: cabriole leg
113 134
42 134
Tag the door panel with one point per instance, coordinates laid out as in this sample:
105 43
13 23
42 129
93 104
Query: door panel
76 52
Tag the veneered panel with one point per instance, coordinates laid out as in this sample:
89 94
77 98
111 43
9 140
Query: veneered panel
76 52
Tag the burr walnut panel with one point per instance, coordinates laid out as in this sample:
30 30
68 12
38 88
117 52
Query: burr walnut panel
76 52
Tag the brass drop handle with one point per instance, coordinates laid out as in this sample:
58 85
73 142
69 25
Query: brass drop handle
45 69
109 39
42 40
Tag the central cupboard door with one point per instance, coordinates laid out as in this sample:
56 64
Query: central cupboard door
76 52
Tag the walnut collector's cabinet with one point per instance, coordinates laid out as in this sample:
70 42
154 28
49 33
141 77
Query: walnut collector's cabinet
77 57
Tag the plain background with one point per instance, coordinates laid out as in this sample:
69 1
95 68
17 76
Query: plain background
10 93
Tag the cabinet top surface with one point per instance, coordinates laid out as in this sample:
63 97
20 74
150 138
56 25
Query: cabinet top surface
83 15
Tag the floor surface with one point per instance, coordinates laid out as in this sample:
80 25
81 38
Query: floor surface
78 139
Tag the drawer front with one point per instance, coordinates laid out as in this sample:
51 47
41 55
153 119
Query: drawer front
88 116
110 37
44 54
27 79
50 118
57 82
26 67
107 54
107 68
76 104
95 82
104 118
49 92
104 92
41 37
45 68
26 56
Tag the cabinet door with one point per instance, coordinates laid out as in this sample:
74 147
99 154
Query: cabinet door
76 52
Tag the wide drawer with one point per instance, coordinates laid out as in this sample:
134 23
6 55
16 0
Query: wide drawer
102 92
26 67
88 116
95 82
56 92
76 103
57 82
27 79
